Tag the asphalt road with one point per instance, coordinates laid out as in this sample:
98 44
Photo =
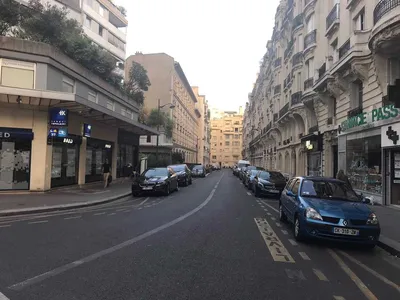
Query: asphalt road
211 240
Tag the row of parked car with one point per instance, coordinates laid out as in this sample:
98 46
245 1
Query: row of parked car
166 179
317 207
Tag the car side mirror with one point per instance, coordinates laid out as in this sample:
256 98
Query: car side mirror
290 194
366 200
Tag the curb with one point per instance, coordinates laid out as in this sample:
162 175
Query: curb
27 211
389 245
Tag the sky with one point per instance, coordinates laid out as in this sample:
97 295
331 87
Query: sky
218 43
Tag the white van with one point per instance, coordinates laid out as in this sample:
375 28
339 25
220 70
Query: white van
243 163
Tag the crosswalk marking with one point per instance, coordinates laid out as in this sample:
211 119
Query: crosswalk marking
321 276
275 246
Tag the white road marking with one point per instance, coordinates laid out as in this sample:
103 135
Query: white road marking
376 274
293 242
278 225
273 219
38 222
284 232
144 201
3 297
270 206
121 209
74 217
39 278
4 226
269 214
126 211
265 209
321 276
274 244
140 208
338 298
362 287
248 193
295 274
99 214
304 256
111 214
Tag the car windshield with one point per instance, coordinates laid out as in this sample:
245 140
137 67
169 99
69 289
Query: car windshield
328 190
254 172
271 175
242 165
156 172
198 168
251 168
178 168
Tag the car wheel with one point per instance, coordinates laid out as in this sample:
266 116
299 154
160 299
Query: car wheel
297 230
282 216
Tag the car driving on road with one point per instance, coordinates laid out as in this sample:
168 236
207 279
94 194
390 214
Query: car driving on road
325 208
162 180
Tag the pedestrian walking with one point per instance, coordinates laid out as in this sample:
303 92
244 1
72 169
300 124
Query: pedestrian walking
106 172
343 177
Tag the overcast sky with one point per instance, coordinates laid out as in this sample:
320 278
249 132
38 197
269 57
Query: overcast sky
218 43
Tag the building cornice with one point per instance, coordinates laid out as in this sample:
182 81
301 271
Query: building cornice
185 81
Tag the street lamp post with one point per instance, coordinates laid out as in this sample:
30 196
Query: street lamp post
159 107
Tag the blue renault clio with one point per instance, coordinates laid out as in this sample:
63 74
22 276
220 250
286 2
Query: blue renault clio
329 209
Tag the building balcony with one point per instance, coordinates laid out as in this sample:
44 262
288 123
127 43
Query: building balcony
310 42
297 61
309 8
332 20
351 4
296 98
278 62
277 89
297 22
284 110
386 31
308 84
288 81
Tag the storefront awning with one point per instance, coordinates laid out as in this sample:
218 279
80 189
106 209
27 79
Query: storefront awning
75 104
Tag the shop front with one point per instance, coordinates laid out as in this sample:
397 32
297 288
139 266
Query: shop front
15 158
97 152
65 160
128 151
390 140
313 146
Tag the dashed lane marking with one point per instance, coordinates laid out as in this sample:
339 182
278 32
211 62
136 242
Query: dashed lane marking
275 246
338 298
368 269
126 211
248 193
99 214
362 287
304 256
278 225
4 226
269 214
293 242
284 232
270 206
39 222
74 217
321 276
112 214
295 274
273 219
265 209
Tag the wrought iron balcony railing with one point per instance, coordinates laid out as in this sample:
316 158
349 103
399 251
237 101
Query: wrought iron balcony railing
383 7
310 38
332 16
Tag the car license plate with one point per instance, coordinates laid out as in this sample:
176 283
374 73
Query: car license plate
147 188
345 231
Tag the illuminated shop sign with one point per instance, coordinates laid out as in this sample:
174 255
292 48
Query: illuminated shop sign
59 117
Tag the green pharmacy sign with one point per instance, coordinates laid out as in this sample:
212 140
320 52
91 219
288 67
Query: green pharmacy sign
364 118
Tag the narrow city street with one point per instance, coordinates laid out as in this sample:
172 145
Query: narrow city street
211 240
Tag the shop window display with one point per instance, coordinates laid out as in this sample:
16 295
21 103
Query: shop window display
364 164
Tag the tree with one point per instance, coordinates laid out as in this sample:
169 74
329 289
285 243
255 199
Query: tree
160 119
138 82
11 14
122 10
177 158
143 114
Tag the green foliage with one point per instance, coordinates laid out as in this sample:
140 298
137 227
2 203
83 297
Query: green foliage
50 24
162 161
177 158
122 10
161 119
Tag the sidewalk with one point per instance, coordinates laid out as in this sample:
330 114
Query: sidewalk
389 219
62 199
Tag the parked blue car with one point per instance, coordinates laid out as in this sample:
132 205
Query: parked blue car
328 209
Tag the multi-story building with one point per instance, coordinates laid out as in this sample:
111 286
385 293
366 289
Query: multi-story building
169 86
59 122
102 21
226 139
334 67
203 155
